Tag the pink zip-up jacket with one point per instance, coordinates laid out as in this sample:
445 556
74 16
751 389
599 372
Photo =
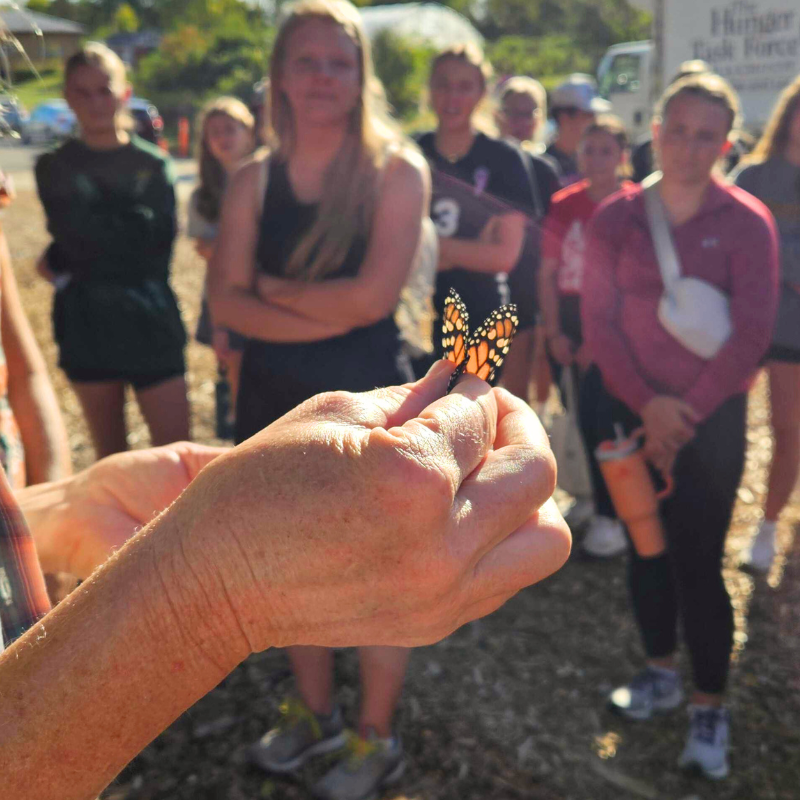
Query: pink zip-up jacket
732 243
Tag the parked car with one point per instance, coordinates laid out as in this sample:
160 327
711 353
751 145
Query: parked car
149 124
12 112
50 121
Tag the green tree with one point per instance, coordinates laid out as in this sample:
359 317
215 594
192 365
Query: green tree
228 15
193 65
540 57
402 67
39 6
125 19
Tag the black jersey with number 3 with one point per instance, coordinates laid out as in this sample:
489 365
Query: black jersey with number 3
491 179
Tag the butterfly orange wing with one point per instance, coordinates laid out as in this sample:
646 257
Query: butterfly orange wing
455 328
489 344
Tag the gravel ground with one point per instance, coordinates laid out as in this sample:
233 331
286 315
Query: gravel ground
511 706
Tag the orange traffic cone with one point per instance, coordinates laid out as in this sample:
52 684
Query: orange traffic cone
183 137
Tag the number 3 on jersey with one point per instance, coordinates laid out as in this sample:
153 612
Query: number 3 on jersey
482 353
446 214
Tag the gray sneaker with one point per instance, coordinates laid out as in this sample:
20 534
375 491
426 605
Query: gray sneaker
299 735
369 765
650 691
708 742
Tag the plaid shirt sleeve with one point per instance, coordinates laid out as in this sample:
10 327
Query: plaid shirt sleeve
23 596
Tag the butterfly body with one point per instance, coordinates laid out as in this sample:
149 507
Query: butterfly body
482 352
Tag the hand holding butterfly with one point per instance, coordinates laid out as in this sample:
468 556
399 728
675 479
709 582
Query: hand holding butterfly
390 517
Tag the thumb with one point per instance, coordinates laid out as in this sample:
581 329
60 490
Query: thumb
403 403
389 407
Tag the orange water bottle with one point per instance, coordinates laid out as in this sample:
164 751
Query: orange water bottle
631 488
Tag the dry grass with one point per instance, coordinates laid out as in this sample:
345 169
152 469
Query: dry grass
512 706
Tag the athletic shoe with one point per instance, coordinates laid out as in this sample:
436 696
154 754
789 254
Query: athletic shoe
708 741
369 765
605 538
579 513
761 552
652 690
299 735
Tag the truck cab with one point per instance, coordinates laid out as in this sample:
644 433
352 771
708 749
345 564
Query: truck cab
755 46
624 78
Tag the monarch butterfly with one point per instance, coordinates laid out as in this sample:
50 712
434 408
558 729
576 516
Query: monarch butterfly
483 352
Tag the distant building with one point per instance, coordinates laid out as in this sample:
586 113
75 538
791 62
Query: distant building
43 38
130 47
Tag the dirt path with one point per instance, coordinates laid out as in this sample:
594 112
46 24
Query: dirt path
510 707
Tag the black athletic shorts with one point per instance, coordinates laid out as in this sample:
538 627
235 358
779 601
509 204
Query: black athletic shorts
139 380
277 377
113 331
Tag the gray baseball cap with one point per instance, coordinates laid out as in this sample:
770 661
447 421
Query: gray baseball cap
578 91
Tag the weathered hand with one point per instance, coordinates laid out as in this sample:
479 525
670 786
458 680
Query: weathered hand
389 517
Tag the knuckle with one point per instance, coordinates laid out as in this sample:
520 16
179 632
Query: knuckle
330 403
332 407
424 475
543 463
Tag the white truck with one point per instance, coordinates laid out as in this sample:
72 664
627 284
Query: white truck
753 44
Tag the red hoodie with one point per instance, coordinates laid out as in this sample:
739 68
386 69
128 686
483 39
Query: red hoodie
732 243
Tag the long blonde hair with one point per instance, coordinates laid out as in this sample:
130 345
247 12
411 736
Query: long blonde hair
212 173
350 184
775 138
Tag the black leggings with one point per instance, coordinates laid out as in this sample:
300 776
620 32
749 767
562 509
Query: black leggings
589 386
591 389
687 581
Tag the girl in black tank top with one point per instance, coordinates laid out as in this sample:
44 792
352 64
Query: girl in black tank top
277 376
312 279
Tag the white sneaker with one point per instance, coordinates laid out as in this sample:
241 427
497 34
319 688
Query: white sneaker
605 538
708 742
761 552
654 690
579 513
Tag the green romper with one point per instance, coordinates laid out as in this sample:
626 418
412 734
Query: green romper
111 214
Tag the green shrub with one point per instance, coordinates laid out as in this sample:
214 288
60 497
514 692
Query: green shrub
538 57
193 66
402 66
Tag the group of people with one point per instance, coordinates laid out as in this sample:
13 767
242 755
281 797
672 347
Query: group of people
324 273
